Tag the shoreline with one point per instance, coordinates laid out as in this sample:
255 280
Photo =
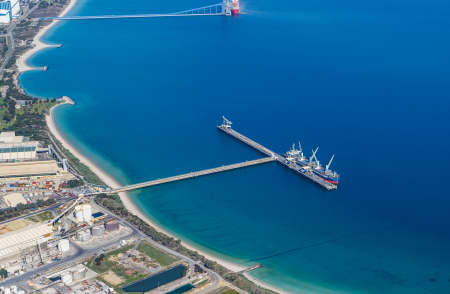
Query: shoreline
124 197
38 45
23 66
131 206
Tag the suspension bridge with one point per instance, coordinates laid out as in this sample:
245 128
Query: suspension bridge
227 7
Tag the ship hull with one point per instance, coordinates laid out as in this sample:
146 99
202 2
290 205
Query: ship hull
332 180
235 11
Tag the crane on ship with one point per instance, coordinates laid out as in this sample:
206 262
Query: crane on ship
329 163
313 156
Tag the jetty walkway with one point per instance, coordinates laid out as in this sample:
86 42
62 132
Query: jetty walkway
191 175
226 128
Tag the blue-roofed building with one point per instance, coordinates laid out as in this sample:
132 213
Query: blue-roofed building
5 12
9 9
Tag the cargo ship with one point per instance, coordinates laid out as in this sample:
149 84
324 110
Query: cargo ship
296 156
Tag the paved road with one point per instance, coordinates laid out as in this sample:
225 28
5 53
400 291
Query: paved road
32 213
216 278
80 253
12 44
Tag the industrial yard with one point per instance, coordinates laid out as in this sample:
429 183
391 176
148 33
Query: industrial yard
55 239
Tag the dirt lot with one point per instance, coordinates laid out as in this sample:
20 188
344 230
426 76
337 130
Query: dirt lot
111 278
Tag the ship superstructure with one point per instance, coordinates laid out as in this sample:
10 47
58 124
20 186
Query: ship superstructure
296 157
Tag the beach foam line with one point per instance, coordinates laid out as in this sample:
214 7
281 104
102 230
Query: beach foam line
38 45
131 206
104 176
113 183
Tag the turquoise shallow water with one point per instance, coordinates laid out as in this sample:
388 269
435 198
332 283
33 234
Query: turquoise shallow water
368 82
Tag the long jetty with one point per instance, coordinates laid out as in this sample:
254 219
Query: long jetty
191 175
226 128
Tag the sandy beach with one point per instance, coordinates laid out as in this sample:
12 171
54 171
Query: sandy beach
103 175
110 181
37 44
129 204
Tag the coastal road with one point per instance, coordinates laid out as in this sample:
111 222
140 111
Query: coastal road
80 254
12 44
216 278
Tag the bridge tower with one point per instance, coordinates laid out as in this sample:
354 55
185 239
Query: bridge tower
226 7
231 7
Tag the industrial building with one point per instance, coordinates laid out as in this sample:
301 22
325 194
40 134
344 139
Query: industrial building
9 9
29 168
13 148
21 234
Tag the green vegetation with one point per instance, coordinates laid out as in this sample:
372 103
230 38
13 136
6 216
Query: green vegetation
74 183
44 216
102 263
3 273
162 258
28 120
85 171
224 290
230 291
22 209
113 203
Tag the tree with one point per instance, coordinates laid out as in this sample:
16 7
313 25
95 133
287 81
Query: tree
3 273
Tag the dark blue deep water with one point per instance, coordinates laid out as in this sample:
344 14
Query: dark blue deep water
368 81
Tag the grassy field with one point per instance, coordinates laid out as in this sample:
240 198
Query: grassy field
107 264
162 258
119 270
44 216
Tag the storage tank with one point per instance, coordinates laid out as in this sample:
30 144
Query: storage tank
79 272
87 212
66 277
112 225
63 245
84 235
98 231
78 213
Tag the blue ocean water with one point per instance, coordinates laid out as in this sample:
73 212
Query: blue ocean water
369 82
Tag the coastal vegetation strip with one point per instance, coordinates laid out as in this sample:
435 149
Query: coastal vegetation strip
30 121
114 204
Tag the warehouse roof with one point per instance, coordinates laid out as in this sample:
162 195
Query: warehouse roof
12 241
28 168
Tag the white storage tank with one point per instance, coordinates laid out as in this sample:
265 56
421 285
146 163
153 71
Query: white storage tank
78 213
84 235
63 245
79 272
66 277
98 230
87 212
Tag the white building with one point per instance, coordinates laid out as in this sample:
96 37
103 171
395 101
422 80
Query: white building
9 9
83 213
14 147
13 240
